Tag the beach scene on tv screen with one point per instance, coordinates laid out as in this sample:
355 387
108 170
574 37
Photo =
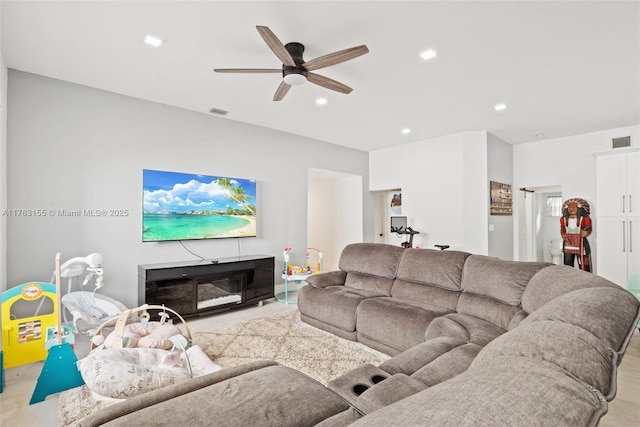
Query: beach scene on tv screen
184 206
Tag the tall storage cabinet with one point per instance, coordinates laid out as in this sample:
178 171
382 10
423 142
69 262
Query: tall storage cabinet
618 215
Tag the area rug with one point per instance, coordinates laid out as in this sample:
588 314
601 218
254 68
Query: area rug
282 337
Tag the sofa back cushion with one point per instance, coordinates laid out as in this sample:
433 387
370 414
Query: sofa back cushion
549 283
430 276
425 294
565 345
608 313
501 280
374 259
442 269
489 309
370 266
366 282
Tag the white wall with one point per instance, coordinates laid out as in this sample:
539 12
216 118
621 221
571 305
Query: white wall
568 162
475 195
500 169
444 188
74 147
3 170
335 215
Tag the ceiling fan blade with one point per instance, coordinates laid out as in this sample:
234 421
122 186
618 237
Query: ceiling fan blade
335 58
276 45
281 91
328 83
247 70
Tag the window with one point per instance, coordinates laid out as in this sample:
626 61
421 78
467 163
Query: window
554 205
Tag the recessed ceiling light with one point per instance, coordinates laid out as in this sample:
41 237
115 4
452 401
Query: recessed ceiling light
428 54
153 40
321 101
500 107
406 131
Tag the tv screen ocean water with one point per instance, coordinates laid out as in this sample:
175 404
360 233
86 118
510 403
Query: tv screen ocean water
185 206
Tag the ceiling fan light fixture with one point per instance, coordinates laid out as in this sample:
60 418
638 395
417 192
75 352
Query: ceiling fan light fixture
294 79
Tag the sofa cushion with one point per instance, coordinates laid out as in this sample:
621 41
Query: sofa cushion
341 419
431 267
410 361
335 305
489 309
513 391
366 282
373 259
604 312
568 346
270 395
450 364
498 279
465 328
551 282
423 293
399 324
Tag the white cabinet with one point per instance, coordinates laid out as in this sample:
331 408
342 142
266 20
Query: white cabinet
618 215
618 248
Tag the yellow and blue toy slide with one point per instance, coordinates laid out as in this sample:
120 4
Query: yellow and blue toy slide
28 339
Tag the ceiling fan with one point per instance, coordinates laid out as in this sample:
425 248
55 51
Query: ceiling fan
296 70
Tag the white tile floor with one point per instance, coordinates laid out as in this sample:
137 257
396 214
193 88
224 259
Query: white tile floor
20 381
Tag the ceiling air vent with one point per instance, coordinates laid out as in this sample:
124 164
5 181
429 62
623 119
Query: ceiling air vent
218 111
623 141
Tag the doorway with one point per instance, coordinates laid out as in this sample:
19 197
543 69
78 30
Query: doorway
539 227
389 211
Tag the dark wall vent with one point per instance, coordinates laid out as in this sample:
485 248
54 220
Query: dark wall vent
623 141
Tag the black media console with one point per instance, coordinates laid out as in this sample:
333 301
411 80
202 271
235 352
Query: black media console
194 288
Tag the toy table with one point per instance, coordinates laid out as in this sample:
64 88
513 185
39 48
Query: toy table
296 274
284 296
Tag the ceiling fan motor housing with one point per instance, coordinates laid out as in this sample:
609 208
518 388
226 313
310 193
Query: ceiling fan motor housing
296 50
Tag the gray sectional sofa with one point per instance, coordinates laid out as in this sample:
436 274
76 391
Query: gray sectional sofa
474 340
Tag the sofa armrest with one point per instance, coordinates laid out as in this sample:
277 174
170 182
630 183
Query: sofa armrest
331 278
391 390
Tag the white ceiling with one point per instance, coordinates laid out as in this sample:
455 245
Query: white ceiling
562 67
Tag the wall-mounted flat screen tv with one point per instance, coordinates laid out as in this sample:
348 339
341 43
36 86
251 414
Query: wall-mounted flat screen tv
185 206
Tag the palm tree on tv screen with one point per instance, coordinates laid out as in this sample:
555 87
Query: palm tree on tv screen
237 193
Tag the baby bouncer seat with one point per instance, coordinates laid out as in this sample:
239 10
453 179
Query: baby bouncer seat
88 308
131 354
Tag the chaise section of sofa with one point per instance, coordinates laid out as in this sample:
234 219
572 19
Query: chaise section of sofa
261 393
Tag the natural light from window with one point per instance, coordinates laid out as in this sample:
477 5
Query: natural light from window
554 205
